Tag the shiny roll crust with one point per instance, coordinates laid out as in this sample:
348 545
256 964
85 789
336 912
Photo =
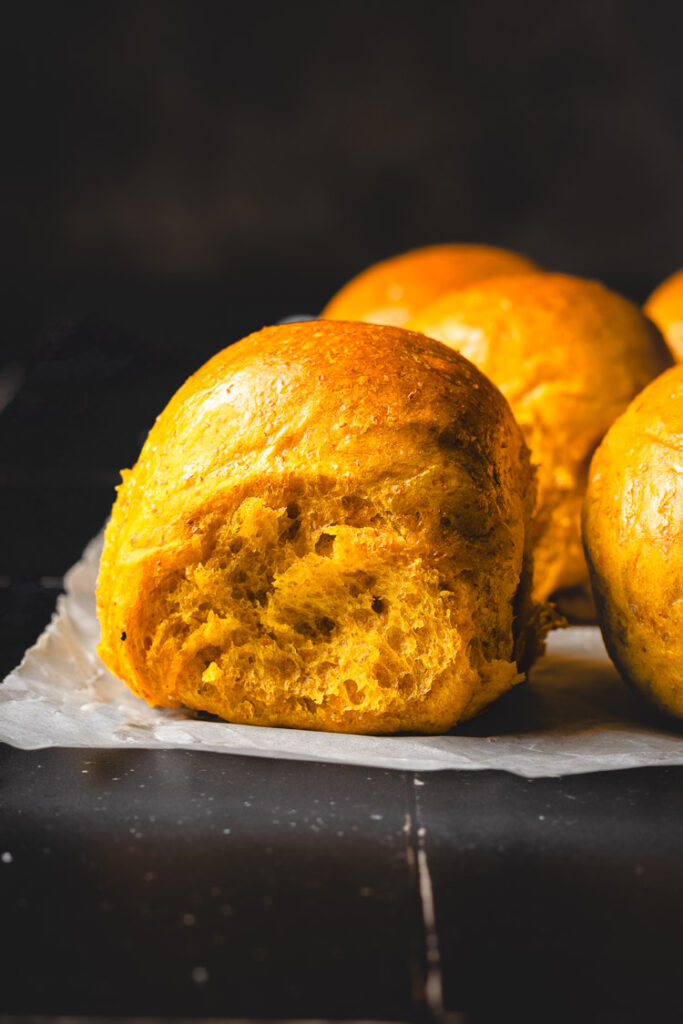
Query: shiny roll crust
633 533
569 355
327 528
393 291
665 307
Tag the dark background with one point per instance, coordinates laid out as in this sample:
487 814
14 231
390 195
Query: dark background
179 174
278 148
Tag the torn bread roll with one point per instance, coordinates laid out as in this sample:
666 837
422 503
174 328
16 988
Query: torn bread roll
327 528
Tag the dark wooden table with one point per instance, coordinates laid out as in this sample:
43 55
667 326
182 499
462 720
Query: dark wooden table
188 884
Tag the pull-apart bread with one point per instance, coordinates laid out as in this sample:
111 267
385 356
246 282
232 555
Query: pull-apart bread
327 528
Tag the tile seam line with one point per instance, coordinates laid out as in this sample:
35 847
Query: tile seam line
433 982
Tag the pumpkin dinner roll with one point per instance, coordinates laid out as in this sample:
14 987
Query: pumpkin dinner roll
569 355
393 291
633 533
327 528
665 307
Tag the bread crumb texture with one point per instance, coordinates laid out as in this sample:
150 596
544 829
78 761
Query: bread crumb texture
633 532
327 528
569 355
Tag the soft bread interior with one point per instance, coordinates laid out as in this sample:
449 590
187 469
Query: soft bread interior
330 614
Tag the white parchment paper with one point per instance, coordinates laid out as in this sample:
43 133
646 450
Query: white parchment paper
574 715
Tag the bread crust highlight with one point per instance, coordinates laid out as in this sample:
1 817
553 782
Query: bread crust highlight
665 308
633 534
394 290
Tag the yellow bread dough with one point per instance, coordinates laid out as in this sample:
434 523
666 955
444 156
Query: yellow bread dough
327 528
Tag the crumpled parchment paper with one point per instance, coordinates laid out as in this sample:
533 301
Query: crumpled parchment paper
574 715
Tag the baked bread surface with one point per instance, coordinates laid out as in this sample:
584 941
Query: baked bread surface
394 290
665 307
569 355
327 528
633 532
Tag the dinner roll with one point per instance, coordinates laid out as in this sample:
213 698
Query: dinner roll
665 307
393 291
569 355
633 532
327 528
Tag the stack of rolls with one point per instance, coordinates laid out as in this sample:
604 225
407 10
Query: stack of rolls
355 524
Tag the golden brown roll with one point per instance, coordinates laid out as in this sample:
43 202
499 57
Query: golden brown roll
665 307
633 532
393 291
326 528
569 355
